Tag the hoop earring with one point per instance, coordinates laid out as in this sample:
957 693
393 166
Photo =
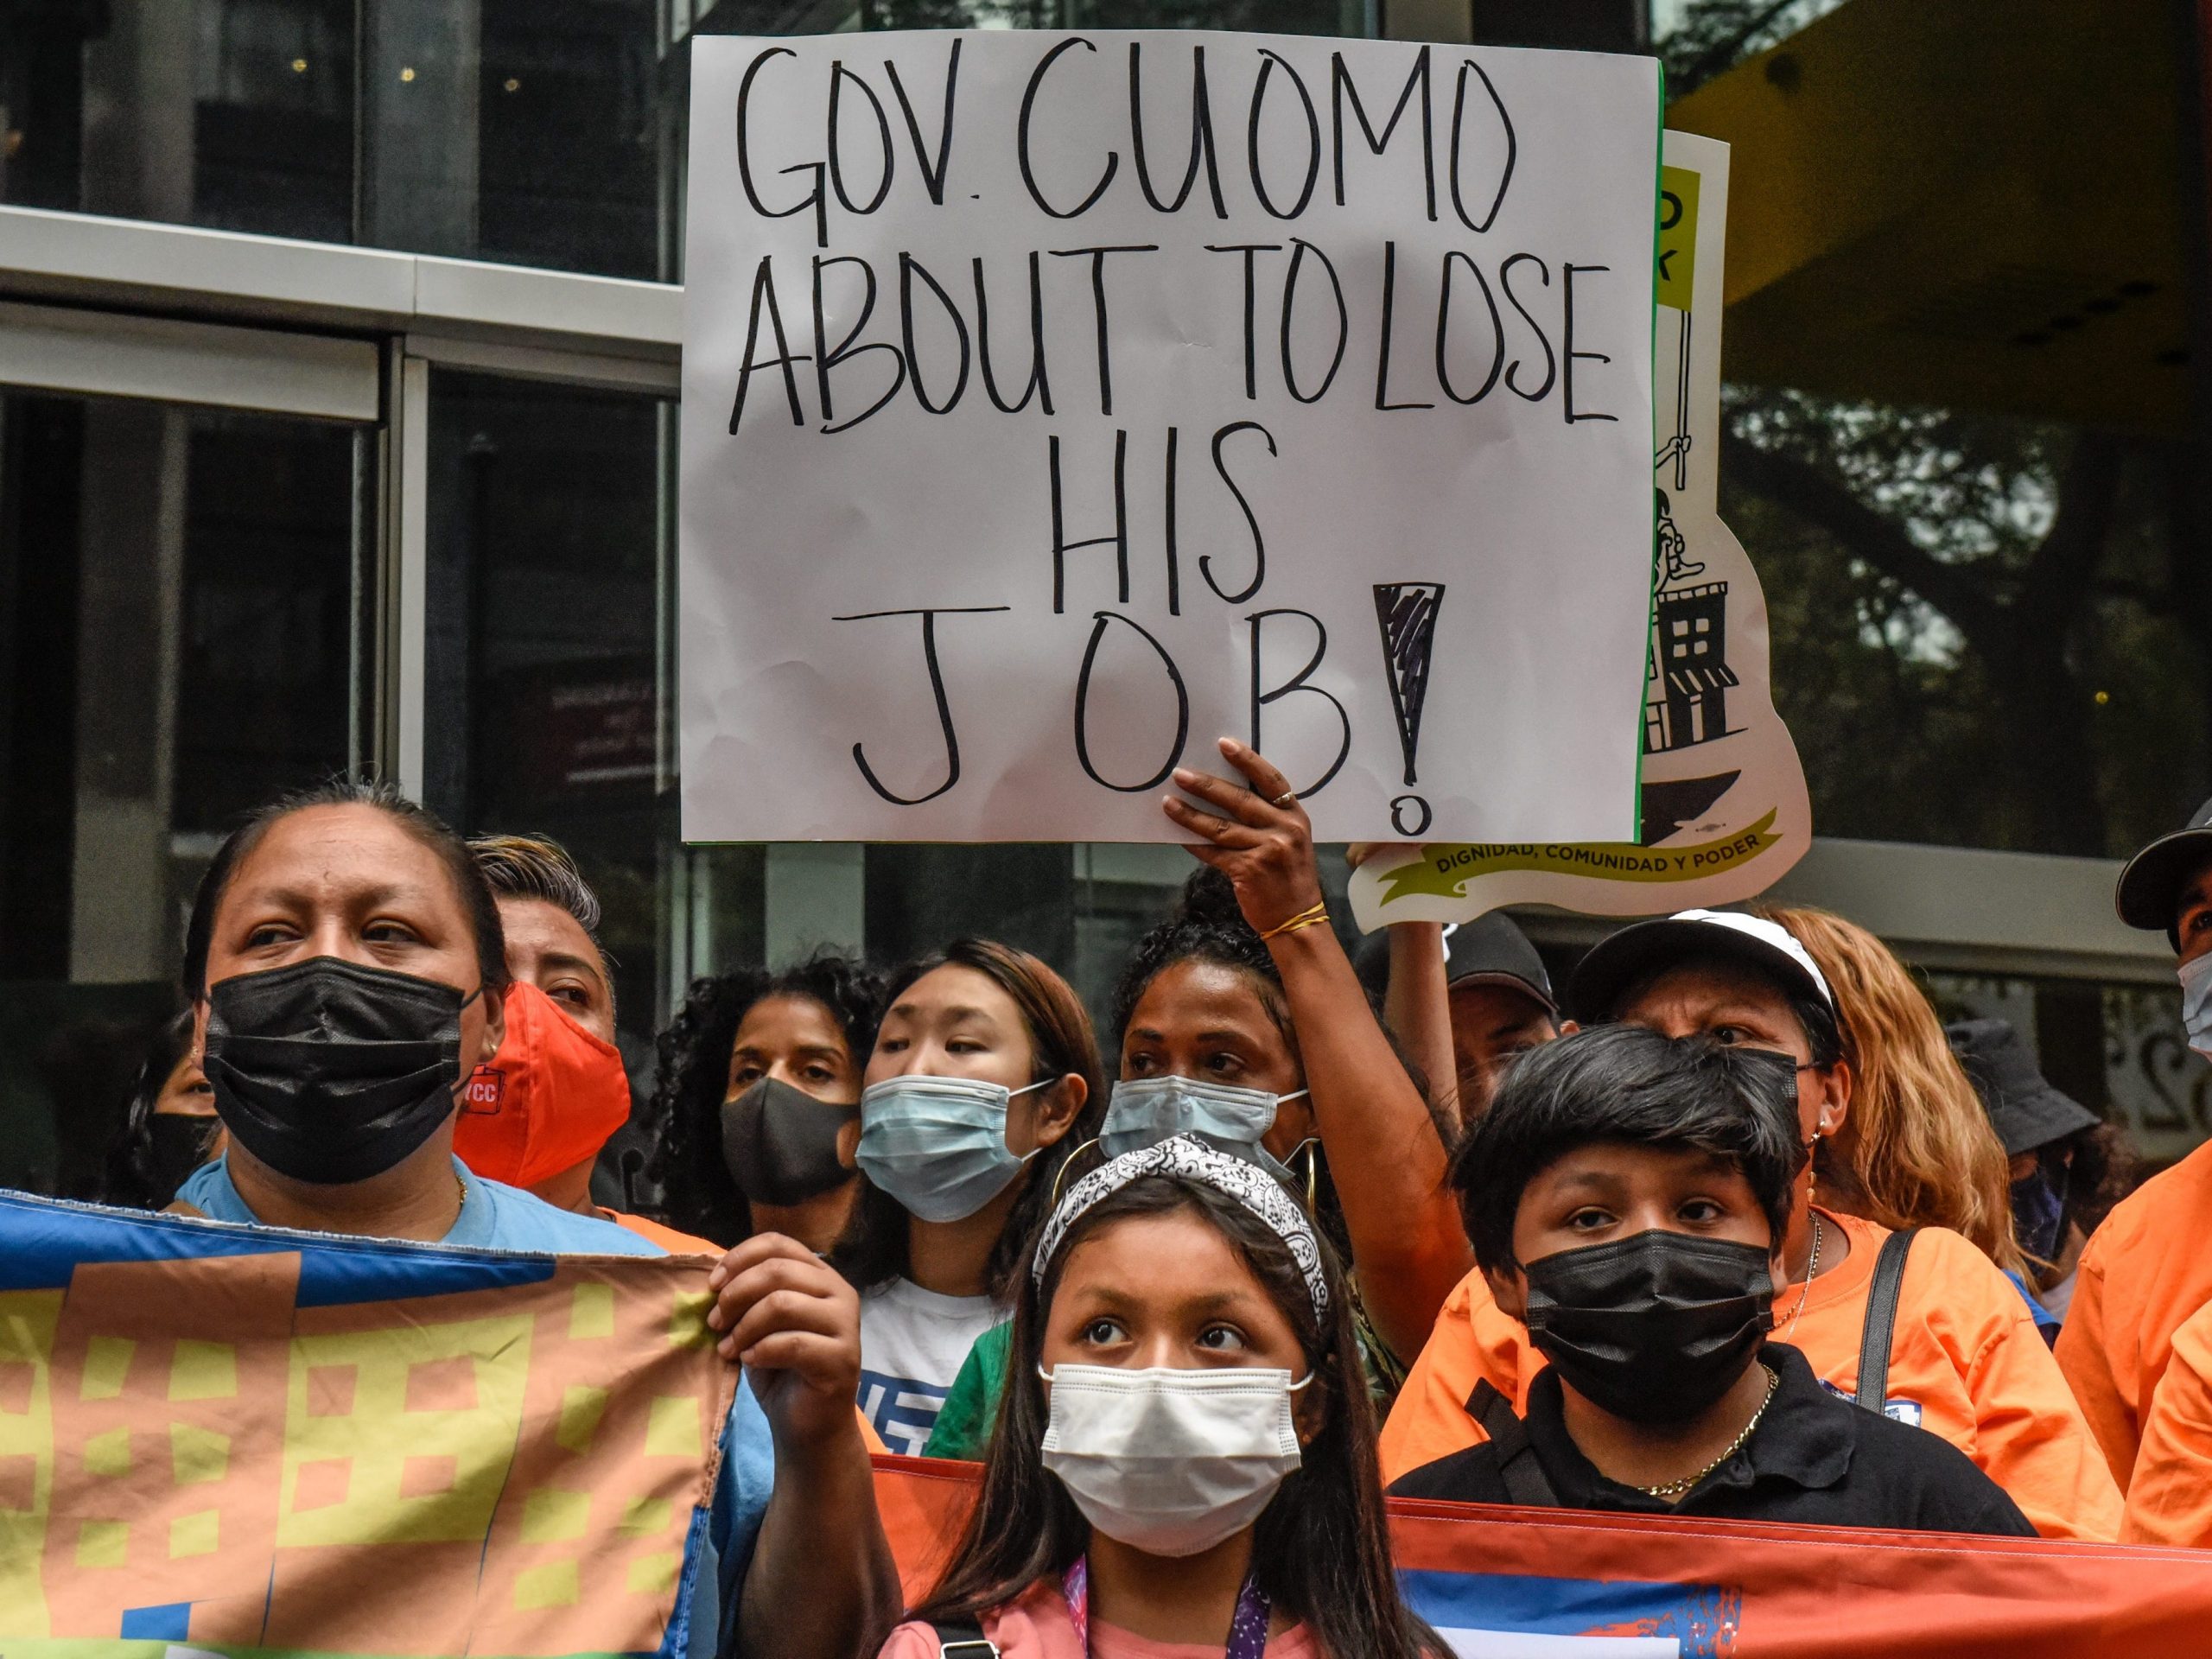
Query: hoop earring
1061 1173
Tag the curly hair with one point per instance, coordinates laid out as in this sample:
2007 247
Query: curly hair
1915 1148
2102 1170
692 1075
1062 1043
1206 926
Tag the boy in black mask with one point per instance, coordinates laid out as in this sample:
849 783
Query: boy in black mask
1626 1197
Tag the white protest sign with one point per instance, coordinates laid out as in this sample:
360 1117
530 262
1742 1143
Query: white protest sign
1725 807
1055 402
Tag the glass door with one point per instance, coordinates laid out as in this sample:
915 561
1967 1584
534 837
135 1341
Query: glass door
187 628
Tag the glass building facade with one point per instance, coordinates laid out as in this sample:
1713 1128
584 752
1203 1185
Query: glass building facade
338 367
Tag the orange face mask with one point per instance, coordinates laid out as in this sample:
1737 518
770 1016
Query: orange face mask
550 1099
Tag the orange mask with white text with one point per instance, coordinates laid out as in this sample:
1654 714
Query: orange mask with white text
550 1099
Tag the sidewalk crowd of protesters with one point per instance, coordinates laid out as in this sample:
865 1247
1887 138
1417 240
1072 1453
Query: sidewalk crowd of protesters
1726 1224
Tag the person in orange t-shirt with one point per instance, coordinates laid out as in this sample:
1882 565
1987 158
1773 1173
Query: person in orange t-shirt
2170 1497
2139 1280
1964 1360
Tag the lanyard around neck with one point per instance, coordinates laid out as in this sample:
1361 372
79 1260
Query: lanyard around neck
1247 1629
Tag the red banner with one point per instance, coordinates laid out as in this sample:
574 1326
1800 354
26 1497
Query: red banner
1501 1582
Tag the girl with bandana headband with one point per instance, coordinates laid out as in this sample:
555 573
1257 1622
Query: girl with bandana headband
1186 1455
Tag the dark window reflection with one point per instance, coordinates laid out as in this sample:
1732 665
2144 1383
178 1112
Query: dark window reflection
233 113
180 637
544 619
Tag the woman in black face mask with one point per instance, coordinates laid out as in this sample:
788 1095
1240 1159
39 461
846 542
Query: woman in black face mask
169 1126
346 968
1627 1196
757 1100
346 971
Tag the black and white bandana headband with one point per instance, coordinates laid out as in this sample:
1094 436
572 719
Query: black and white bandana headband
1247 1183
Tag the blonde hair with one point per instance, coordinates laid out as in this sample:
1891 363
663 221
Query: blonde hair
1917 1147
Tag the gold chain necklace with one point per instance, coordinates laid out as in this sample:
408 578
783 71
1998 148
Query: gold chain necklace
1677 1488
1812 1272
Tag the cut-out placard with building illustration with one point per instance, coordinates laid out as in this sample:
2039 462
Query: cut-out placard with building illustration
1056 403
1723 793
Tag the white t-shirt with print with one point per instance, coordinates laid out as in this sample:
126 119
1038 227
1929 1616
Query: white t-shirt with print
912 1344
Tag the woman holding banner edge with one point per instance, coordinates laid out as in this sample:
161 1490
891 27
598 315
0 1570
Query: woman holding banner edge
347 970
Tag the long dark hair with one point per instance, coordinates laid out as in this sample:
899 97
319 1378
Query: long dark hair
692 1078
1320 1550
1061 1041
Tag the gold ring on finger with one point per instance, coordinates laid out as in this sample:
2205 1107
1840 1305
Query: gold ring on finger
1289 797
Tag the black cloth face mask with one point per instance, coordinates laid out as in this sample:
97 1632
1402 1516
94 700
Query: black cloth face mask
781 1143
176 1144
1655 1327
329 1071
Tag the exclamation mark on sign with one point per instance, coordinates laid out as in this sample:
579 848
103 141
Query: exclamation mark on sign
1406 611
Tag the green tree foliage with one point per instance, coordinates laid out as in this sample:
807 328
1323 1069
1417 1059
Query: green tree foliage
1988 632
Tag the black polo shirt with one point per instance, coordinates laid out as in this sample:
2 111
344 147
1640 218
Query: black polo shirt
1814 1458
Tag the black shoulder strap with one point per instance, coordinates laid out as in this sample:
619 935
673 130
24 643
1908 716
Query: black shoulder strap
962 1638
1881 1321
1526 1482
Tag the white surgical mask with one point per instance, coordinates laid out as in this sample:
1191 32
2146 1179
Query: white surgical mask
2196 1003
1145 1111
1170 1461
937 1144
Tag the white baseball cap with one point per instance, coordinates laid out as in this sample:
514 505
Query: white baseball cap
1637 952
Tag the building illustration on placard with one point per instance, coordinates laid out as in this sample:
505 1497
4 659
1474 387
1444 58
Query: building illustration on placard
1688 678
1721 795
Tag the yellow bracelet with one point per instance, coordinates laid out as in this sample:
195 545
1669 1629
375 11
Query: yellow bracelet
1312 918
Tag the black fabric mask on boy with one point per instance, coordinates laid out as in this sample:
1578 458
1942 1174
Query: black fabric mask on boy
781 1143
1655 1327
330 1071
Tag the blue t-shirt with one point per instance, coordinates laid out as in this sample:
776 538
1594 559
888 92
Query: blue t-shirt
494 1217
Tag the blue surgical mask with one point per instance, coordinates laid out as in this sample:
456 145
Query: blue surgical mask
2037 1212
1147 1110
937 1144
2197 1004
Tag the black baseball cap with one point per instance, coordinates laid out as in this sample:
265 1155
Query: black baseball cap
1490 950
2149 894
1493 950
2024 1109
1621 960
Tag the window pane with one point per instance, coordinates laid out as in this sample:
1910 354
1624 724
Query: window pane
180 637
543 641
233 113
